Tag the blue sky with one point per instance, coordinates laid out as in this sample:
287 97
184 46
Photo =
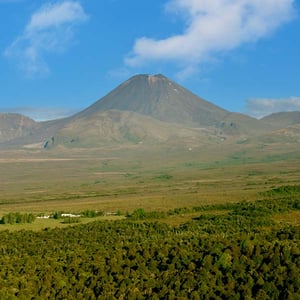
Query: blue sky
57 57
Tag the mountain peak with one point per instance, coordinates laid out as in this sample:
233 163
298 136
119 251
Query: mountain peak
149 78
159 97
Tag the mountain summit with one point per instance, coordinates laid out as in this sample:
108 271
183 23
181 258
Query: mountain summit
160 98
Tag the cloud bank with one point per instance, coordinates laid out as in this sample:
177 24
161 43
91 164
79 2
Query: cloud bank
212 27
50 30
259 108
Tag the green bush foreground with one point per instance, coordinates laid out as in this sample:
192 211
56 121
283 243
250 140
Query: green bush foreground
242 254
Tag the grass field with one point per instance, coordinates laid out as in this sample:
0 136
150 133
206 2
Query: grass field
124 179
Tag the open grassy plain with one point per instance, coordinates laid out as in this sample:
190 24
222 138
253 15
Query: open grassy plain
155 179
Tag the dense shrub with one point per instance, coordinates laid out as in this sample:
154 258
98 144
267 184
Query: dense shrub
238 255
17 218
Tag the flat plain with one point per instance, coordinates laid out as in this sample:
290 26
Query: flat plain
123 179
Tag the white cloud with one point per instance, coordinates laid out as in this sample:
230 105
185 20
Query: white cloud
50 30
262 107
212 27
56 15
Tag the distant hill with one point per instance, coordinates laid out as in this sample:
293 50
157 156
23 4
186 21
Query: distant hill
283 119
13 126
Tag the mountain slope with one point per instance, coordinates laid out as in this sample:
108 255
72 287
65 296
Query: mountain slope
160 98
236 124
124 127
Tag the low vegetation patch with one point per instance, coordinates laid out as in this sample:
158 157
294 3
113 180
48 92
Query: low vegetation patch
163 177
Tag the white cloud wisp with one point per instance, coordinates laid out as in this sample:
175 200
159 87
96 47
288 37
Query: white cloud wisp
259 108
50 30
212 27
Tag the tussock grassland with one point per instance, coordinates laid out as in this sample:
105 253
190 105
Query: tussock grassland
156 179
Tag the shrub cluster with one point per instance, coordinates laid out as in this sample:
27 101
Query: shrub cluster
17 218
